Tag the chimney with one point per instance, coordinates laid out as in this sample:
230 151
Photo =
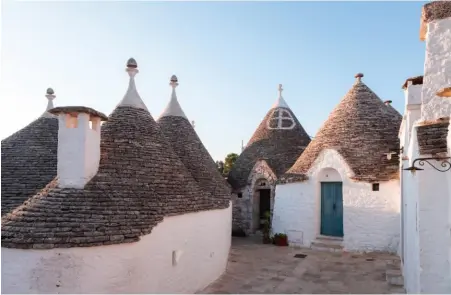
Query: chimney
78 145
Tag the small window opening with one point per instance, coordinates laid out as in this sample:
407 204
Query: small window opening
90 125
375 187
240 195
71 121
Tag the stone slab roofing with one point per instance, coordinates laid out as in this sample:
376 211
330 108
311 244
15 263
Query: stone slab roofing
78 109
140 181
436 10
29 158
433 11
278 147
432 138
418 80
361 128
187 145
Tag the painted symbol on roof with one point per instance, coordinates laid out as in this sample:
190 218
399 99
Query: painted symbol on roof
281 119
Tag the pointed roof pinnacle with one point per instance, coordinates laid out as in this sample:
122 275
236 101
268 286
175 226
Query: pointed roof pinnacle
358 77
173 108
131 97
280 102
50 95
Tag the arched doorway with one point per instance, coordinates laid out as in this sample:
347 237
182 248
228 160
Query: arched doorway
331 203
261 203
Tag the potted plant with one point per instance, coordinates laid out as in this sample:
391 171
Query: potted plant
281 239
267 228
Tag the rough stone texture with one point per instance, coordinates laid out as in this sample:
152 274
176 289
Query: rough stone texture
29 159
78 109
187 145
432 138
437 70
278 147
361 128
255 268
436 10
418 80
248 205
140 180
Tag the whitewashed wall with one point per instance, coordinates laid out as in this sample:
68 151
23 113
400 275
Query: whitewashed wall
411 262
201 240
370 218
437 69
426 266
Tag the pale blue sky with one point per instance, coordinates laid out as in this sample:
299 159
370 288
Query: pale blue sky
229 58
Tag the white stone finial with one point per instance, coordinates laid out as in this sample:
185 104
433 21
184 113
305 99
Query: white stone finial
173 108
50 95
280 102
131 97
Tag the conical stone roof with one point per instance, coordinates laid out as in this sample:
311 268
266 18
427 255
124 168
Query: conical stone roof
29 159
279 139
140 180
362 129
188 146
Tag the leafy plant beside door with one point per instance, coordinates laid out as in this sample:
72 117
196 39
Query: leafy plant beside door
267 228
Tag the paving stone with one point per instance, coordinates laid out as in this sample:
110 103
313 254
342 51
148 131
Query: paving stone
267 269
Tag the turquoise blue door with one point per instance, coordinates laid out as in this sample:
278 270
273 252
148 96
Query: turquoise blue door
332 209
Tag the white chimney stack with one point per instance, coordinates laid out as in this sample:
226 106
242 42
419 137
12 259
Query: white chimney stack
78 145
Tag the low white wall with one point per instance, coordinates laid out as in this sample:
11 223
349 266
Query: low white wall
434 230
201 240
411 260
370 218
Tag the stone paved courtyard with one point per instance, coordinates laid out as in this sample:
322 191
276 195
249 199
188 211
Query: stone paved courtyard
257 268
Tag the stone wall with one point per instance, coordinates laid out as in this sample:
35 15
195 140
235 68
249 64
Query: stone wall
243 213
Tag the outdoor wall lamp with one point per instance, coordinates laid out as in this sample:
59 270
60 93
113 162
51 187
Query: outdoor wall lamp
445 164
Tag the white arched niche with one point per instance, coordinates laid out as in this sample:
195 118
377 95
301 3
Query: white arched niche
329 175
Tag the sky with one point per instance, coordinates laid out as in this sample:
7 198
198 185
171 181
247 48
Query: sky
229 58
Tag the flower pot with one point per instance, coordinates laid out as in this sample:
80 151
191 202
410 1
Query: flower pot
281 241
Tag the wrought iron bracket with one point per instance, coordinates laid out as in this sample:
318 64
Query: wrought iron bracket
444 166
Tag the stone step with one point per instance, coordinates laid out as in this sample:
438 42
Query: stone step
329 238
394 277
321 245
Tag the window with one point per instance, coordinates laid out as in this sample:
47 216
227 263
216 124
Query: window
375 187
280 119
240 195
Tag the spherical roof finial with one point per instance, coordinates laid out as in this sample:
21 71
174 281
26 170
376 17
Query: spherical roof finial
174 79
359 76
50 91
131 63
